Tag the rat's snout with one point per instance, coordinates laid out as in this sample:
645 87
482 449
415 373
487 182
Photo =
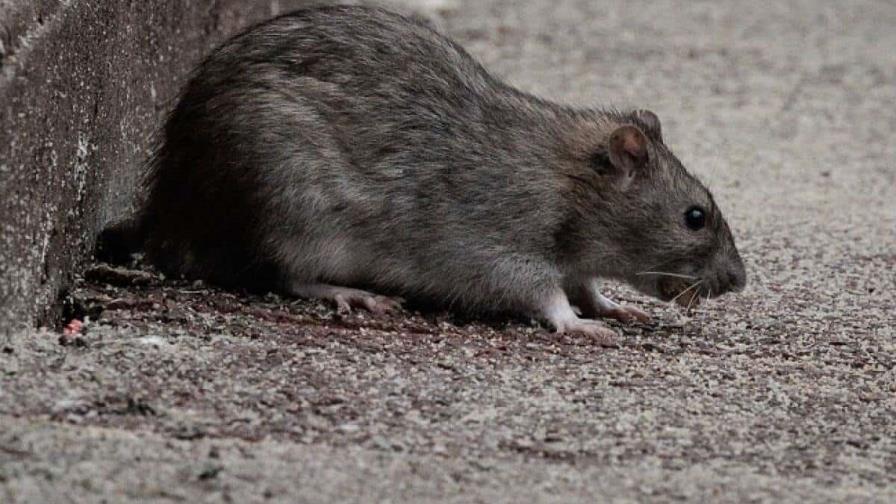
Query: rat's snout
732 276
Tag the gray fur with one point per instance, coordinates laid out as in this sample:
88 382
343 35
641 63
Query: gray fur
356 147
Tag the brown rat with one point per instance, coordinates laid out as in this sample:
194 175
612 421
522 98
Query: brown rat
340 148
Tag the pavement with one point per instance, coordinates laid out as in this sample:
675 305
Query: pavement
786 392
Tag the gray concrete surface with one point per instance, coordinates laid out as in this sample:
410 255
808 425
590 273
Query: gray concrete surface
784 393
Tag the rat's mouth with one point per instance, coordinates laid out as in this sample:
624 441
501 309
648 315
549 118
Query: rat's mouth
683 292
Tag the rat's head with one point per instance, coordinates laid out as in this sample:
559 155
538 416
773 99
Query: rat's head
644 219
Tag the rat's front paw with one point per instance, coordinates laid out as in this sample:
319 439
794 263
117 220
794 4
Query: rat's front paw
596 305
588 327
374 303
625 314
558 312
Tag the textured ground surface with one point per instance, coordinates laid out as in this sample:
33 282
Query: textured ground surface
786 392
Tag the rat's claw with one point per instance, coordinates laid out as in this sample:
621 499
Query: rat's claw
558 312
626 314
605 307
347 298
373 303
381 304
388 304
369 303
343 307
591 328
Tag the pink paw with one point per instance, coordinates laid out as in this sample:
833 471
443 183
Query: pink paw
347 298
590 328
373 303
625 314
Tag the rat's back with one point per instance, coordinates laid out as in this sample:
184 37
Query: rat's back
349 145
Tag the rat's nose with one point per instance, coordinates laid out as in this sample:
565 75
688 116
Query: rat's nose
737 279
734 277
731 277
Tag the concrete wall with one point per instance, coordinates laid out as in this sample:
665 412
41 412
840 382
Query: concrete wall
83 86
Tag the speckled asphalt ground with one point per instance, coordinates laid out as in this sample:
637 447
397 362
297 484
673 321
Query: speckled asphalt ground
787 392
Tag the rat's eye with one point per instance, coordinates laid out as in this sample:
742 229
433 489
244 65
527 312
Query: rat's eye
695 218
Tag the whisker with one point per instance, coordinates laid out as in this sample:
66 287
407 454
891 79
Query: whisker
694 296
682 293
663 273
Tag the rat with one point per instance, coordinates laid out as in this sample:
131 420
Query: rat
343 152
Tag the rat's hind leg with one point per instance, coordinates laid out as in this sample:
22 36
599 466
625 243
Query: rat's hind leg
594 304
347 298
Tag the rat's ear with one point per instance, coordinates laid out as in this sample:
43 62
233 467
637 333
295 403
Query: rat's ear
650 121
627 149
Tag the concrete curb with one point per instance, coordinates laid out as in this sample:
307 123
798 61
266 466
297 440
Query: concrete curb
83 86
